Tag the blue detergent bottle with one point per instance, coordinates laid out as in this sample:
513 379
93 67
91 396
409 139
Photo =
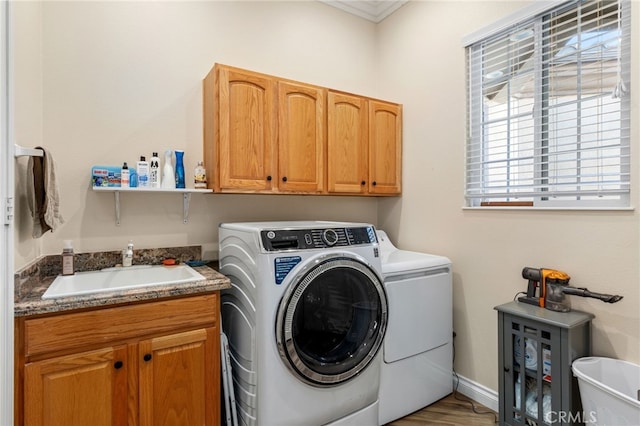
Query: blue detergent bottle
179 168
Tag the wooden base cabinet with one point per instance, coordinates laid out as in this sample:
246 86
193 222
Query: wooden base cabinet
153 363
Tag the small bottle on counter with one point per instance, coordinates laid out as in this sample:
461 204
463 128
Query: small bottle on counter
124 176
143 172
68 266
200 176
127 255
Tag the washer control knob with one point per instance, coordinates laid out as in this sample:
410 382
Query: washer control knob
330 237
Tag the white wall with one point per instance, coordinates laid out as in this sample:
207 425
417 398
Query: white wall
26 69
105 82
422 62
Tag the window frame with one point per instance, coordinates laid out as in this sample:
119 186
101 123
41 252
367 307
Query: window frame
475 174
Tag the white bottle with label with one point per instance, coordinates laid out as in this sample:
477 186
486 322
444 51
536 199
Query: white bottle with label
124 176
143 172
154 171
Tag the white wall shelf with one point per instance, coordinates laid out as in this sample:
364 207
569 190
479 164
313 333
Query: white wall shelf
186 196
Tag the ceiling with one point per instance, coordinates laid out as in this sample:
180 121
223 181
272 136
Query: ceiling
372 10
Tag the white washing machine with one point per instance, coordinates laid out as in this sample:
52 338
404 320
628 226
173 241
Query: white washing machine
305 317
418 347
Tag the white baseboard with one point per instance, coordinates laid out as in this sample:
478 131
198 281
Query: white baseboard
477 392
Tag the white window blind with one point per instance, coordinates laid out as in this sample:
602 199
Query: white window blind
548 110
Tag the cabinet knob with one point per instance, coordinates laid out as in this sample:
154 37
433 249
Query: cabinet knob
363 183
374 183
284 178
118 365
147 357
269 177
506 369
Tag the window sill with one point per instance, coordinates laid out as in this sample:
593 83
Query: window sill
518 208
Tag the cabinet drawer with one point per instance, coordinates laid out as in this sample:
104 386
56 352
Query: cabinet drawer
79 330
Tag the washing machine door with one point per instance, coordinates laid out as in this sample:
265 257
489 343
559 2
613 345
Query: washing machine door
331 320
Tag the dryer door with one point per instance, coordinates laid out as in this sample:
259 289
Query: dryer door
331 321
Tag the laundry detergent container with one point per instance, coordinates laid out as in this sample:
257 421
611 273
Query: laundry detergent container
609 390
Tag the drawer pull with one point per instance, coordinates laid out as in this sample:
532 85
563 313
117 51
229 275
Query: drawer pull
147 357
118 365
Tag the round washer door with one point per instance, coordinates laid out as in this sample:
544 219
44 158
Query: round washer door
331 320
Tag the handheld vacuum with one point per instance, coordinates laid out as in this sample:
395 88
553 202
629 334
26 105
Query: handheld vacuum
552 286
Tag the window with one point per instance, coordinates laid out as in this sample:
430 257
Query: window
548 110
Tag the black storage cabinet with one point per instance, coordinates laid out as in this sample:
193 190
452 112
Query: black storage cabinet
536 348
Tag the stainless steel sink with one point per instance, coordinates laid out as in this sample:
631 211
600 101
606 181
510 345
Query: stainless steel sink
119 279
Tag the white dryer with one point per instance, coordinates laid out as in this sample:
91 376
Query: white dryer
305 317
418 347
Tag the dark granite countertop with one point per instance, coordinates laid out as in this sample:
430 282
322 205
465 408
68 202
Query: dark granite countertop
33 281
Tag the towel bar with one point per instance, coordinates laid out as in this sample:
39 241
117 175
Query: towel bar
21 151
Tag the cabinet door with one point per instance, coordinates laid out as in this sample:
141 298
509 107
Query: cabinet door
246 132
347 144
88 388
179 379
301 137
385 148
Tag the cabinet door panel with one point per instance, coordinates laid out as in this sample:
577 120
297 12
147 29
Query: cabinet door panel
301 137
347 144
77 390
385 148
246 129
177 379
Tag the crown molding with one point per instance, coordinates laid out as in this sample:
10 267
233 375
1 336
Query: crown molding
371 10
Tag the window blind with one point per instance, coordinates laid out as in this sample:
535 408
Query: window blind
548 109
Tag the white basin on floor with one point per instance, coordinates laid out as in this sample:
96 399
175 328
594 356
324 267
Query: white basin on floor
118 279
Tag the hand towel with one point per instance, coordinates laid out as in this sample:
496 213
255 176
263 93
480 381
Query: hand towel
42 194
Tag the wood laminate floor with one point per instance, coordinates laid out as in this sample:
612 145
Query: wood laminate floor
453 410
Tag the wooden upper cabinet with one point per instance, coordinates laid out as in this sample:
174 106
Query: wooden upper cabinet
264 134
239 129
385 148
347 144
301 137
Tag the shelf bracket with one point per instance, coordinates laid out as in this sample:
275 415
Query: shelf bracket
116 195
186 198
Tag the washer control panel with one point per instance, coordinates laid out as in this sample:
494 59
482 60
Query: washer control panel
304 239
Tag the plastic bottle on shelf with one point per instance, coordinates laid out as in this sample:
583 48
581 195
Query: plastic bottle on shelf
180 183
200 176
168 177
154 171
143 172
124 176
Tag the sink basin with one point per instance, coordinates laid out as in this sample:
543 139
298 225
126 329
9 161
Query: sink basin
118 279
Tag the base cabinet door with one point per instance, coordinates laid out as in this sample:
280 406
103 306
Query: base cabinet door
176 379
88 388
